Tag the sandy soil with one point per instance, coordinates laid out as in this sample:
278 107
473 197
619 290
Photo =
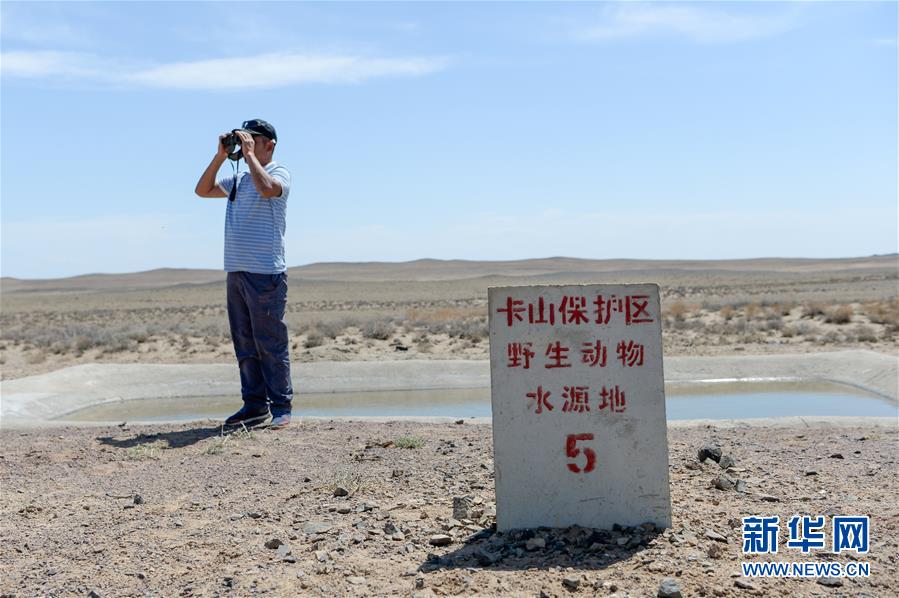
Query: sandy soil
181 510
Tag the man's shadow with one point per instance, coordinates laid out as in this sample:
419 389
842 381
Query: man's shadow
174 439
544 548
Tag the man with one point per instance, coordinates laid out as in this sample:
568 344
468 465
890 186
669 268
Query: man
257 277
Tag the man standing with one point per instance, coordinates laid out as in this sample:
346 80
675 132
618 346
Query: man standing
255 221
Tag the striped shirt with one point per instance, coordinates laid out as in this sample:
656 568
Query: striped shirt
254 226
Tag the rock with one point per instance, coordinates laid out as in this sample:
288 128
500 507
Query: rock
93 594
811 472
710 451
830 582
390 528
726 461
138 499
837 456
254 515
316 527
440 540
769 498
283 551
572 582
321 555
459 422
344 510
723 482
341 491
273 543
461 506
486 558
355 580
744 585
669 588
715 551
290 559
535 544
713 535
740 486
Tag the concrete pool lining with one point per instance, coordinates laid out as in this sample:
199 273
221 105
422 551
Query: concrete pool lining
32 401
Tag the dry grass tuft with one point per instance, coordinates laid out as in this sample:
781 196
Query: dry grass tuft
380 330
409 442
839 315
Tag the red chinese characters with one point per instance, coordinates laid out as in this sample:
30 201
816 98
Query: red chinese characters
634 309
544 313
513 310
520 355
612 399
541 398
573 310
630 354
577 399
594 354
557 355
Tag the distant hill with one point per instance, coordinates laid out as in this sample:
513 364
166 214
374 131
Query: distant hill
431 270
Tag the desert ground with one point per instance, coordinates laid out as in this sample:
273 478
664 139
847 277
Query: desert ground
432 309
341 508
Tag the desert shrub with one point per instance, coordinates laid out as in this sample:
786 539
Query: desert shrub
314 339
812 309
883 312
378 329
752 310
38 356
409 442
331 329
474 330
784 309
677 310
727 312
831 336
774 322
865 333
839 315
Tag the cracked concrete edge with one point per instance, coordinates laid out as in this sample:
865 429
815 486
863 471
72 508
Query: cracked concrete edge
36 399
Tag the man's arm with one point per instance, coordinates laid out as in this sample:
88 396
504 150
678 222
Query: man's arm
206 186
265 184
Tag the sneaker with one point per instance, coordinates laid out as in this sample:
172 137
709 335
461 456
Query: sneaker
248 416
279 421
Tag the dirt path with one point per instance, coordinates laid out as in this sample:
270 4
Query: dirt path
182 511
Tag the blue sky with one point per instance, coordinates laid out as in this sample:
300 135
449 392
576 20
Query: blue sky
487 131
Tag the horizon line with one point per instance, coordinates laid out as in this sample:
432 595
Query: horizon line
427 259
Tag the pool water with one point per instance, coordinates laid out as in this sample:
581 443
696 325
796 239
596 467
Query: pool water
707 401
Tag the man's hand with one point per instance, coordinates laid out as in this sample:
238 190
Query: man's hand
222 151
246 143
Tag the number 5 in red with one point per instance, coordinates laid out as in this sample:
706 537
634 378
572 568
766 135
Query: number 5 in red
573 451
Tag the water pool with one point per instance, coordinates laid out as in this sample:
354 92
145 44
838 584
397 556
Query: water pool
702 401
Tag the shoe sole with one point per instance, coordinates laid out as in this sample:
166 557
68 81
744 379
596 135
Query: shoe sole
251 421
280 426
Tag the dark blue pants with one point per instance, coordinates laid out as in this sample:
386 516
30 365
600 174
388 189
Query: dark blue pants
256 305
